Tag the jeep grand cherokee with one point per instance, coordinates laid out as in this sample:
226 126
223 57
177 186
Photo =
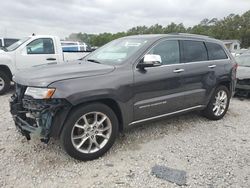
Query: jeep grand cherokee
128 81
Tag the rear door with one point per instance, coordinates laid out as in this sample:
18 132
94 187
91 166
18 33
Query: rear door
200 77
37 52
158 90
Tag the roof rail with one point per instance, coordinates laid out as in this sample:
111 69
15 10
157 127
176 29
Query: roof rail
190 34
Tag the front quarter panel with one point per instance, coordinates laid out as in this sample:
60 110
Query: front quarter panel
8 59
115 86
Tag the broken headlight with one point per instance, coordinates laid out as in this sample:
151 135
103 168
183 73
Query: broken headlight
40 93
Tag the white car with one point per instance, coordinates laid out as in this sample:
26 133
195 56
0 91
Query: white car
29 52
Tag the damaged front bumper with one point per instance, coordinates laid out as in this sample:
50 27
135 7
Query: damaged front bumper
36 116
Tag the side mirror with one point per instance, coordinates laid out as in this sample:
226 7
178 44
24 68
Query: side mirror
150 60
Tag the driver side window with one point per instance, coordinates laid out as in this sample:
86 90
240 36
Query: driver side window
168 50
41 46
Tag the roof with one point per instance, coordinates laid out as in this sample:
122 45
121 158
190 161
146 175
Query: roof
173 35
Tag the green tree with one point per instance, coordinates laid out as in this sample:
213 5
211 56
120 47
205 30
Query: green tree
231 27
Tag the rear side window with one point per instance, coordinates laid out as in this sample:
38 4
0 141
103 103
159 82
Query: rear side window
193 51
215 51
1 43
168 50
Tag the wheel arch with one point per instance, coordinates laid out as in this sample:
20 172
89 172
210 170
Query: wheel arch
6 70
111 103
226 83
60 120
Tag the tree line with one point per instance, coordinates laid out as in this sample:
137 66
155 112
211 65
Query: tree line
233 26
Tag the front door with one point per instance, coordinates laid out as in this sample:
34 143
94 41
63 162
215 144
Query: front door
158 90
39 51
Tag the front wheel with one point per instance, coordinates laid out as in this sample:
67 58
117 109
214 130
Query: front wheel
218 104
90 131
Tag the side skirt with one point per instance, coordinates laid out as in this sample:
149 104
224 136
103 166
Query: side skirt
168 114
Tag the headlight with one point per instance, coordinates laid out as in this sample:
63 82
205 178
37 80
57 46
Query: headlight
40 93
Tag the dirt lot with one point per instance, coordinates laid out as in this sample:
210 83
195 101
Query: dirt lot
213 154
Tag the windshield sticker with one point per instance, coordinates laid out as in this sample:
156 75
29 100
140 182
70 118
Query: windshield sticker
127 44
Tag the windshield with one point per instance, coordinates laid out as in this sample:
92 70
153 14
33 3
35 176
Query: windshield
17 44
117 51
243 60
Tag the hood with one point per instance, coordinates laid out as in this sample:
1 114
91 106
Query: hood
243 73
42 76
5 55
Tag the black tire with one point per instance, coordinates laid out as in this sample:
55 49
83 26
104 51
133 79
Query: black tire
74 117
208 111
6 83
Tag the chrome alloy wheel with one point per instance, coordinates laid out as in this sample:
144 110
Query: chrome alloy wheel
2 84
220 104
91 132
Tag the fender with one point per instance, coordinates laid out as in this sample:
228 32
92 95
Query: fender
7 62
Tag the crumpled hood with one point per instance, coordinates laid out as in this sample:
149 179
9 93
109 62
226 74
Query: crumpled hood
243 72
42 76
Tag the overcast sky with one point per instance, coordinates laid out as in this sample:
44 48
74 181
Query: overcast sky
20 18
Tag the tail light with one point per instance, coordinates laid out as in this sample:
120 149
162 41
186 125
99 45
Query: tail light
236 66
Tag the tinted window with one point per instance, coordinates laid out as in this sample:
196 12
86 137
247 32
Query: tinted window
194 51
41 46
215 51
168 50
1 43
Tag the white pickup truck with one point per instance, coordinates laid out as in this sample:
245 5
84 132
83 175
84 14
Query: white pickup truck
29 52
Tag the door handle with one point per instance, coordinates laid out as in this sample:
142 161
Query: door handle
212 66
178 70
51 59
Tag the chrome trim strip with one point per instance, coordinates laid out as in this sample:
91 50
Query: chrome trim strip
168 114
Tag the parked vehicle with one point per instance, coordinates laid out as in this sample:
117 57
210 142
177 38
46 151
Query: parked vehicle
243 75
6 42
72 46
128 81
29 52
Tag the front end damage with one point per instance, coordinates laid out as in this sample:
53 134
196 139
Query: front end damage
35 116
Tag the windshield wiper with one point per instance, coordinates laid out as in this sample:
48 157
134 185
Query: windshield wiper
94 61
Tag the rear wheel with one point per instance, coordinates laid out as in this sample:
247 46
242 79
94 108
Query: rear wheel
4 83
90 131
218 105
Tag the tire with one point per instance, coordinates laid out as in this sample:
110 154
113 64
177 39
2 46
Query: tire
210 111
4 83
86 133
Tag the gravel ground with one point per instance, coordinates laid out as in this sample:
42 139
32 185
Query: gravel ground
212 153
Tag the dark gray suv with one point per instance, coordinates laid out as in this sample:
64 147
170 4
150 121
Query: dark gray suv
128 81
